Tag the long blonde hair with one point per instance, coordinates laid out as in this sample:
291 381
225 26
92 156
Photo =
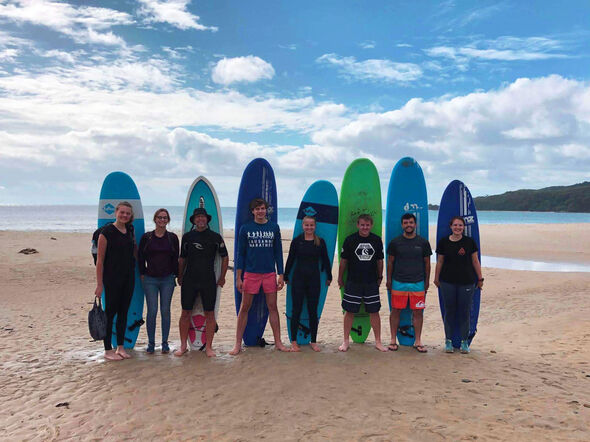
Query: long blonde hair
316 239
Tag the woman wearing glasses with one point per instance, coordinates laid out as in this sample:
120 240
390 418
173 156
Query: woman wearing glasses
158 266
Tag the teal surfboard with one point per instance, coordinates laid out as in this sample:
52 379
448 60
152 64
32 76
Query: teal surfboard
320 202
406 194
117 187
202 194
360 193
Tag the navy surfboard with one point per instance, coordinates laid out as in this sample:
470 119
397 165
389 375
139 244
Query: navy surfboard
406 194
320 202
258 181
117 187
457 201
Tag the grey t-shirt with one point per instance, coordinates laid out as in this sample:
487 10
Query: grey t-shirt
409 254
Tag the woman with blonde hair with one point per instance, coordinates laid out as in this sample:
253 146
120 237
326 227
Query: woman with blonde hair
115 273
306 253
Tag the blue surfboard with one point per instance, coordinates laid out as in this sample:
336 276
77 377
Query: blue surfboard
457 201
320 202
202 194
406 194
117 187
258 181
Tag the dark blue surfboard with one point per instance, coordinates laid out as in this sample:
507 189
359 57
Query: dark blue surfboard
117 187
457 201
258 181
320 202
406 194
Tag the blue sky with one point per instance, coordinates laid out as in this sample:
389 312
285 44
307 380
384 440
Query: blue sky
496 94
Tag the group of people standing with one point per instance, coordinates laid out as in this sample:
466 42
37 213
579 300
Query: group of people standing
259 268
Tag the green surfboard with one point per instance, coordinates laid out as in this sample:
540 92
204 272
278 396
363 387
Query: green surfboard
360 193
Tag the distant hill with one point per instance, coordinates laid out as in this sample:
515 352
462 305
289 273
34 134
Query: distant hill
575 198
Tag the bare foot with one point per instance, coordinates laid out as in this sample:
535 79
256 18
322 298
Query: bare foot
210 353
181 351
110 355
121 352
295 347
344 346
379 346
236 350
280 347
315 347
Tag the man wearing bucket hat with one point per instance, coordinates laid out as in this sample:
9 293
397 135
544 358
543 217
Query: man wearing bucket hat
196 276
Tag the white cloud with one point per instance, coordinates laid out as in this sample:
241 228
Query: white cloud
84 24
173 12
242 69
368 44
372 69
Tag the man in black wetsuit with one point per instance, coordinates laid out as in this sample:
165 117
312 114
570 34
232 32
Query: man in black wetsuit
196 276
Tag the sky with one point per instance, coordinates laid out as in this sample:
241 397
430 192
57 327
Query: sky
494 93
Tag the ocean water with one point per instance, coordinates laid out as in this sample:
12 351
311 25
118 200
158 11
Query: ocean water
83 218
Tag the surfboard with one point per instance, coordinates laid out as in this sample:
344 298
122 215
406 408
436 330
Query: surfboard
202 194
117 187
258 181
320 202
406 194
360 193
457 201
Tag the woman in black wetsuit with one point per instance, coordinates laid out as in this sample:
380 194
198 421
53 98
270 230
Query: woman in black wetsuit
115 272
307 251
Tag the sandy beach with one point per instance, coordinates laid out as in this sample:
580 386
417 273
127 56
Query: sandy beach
527 377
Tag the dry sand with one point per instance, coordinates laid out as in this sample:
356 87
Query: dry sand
527 377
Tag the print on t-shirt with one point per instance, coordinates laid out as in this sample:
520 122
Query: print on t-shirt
364 251
261 239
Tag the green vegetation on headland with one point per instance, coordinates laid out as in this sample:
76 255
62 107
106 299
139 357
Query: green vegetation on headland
575 198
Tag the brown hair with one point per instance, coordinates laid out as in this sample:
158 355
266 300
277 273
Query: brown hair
316 239
457 217
126 204
366 217
161 210
258 202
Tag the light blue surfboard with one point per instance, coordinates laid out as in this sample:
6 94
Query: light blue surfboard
202 194
406 194
320 202
457 201
258 181
117 187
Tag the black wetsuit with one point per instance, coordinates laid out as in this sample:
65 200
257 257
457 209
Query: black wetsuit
306 257
118 278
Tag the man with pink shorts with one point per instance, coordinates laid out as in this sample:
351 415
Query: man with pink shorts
259 253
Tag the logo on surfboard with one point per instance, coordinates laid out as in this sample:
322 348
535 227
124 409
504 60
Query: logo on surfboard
109 209
310 211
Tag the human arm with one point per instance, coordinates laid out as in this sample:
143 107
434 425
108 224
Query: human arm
379 271
175 253
278 253
477 268
224 266
290 260
141 256
341 270
390 263
100 254
181 267
239 280
326 264
426 273
440 259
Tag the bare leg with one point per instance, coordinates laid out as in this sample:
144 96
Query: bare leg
275 321
393 325
418 320
242 321
295 347
110 355
209 333
347 326
183 325
376 325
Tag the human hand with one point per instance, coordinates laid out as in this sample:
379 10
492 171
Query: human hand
98 290
328 282
436 282
280 282
239 284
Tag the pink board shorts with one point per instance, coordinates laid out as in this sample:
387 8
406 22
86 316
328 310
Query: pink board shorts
253 282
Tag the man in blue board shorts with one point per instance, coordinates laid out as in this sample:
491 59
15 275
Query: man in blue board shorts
196 276
362 257
408 274
260 252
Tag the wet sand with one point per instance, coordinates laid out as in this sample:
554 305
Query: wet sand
527 377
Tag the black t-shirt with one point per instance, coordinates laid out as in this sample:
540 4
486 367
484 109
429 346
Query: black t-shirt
457 266
362 255
118 260
158 257
306 257
199 250
409 254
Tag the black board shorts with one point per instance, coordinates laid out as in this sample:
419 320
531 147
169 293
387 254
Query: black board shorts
356 293
191 289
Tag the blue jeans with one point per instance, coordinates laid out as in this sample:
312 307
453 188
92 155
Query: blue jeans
457 299
165 286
